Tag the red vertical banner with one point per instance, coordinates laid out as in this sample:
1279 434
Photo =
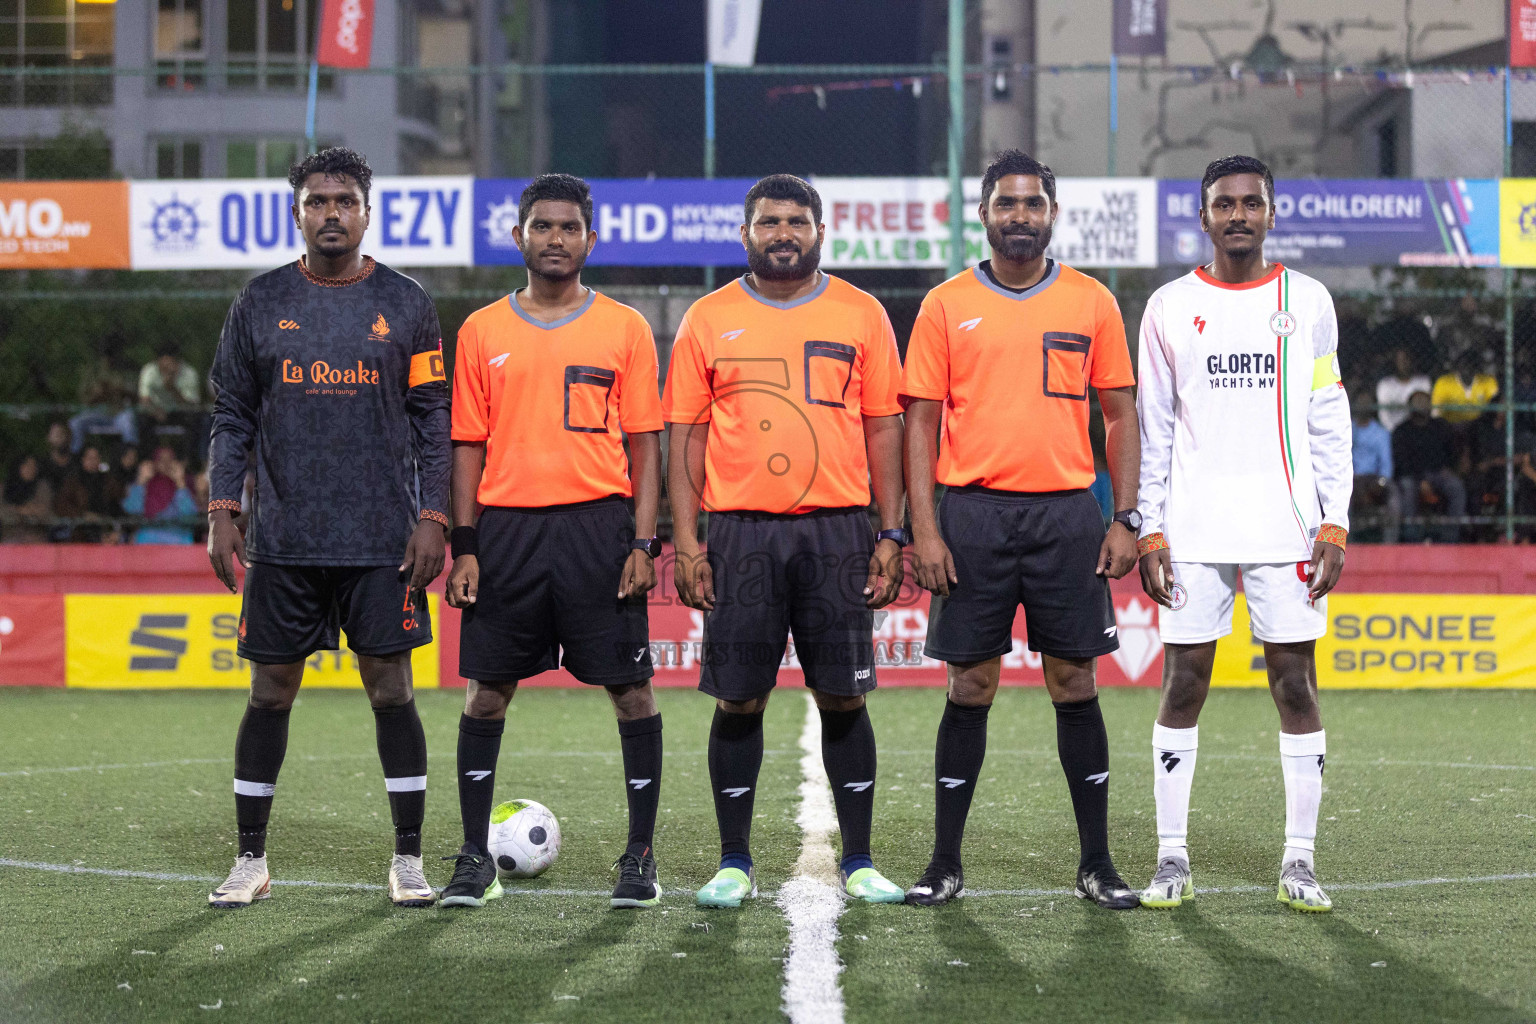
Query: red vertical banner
31 640
346 33
1522 33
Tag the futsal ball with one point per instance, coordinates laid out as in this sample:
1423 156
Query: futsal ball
524 840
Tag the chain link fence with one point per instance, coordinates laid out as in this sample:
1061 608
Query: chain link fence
73 342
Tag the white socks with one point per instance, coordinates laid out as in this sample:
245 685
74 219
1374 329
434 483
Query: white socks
1301 760
1173 772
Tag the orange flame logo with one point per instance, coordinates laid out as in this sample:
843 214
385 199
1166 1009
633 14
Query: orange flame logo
381 327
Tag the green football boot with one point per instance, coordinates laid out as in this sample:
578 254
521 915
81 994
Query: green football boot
728 888
871 886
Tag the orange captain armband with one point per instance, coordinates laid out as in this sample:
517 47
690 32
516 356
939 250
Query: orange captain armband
426 367
1335 535
1150 543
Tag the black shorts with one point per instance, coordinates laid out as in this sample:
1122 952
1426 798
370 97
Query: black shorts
289 612
777 575
1038 550
548 580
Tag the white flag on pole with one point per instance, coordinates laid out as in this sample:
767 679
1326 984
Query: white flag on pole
733 31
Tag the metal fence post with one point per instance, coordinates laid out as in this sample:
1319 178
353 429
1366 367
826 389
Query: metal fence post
956 135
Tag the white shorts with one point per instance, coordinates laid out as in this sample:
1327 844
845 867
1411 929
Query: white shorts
1278 607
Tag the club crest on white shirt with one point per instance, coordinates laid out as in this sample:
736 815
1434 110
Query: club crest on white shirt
1282 323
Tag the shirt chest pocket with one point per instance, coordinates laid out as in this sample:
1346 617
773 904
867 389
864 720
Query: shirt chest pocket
587 391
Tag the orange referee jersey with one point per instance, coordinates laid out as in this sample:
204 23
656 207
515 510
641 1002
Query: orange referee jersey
784 387
549 399
1013 370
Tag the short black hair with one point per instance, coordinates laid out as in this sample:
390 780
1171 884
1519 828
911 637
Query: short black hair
1230 165
334 162
167 348
560 188
785 187
1016 161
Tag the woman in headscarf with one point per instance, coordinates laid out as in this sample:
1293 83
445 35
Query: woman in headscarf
161 494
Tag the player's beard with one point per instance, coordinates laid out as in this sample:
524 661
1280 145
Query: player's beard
1240 244
1017 247
762 265
573 266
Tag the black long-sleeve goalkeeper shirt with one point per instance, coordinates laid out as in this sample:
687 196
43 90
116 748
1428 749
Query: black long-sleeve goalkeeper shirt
338 385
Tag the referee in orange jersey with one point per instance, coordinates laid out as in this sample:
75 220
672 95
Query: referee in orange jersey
998 369
781 399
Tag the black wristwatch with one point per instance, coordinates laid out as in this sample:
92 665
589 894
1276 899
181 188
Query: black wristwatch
1131 520
650 545
901 535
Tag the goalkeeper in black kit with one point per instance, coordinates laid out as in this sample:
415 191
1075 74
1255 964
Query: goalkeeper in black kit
331 369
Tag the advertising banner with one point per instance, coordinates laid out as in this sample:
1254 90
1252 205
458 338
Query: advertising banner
1517 222
1394 641
50 225
31 640
659 222
733 26
346 33
1430 222
1522 33
904 222
158 641
247 223
1141 28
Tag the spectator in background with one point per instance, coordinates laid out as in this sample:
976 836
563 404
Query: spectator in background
170 398
1375 485
1424 453
26 503
160 494
59 463
88 494
1392 391
109 405
1466 385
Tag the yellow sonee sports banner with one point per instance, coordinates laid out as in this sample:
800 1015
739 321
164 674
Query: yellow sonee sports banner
139 641
1392 641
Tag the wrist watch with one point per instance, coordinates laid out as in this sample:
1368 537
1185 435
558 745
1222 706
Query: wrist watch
650 545
1131 520
901 535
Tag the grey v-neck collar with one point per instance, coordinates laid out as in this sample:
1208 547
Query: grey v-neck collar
815 293
1028 293
549 325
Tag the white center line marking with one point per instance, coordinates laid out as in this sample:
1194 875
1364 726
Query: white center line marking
811 900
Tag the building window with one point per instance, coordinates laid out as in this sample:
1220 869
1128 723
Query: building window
1522 152
1386 149
55 34
261 158
270 43
178 158
180 50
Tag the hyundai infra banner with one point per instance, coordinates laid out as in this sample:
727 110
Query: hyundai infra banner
657 222
1431 222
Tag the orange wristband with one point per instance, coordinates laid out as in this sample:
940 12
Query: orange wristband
1151 542
1335 535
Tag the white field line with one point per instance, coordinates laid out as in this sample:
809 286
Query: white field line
811 900
162 876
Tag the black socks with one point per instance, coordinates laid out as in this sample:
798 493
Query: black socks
640 742
735 758
962 746
260 745
403 753
1083 746
479 745
848 752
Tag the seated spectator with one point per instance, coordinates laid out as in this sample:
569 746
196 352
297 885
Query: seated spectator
109 407
26 503
1375 487
160 493
1392 391
1466 385
170 398
88 494
59 462
1424 455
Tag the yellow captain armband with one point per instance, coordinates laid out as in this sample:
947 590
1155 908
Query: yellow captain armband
1325 371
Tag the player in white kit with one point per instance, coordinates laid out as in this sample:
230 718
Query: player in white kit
1245 466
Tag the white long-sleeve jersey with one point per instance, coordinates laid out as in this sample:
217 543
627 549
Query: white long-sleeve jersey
1245 429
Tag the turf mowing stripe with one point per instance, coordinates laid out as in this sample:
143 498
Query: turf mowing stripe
810 900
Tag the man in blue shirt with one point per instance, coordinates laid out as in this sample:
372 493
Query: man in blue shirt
1375 486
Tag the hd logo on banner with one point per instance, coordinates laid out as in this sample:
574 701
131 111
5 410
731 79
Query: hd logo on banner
158 641
248 224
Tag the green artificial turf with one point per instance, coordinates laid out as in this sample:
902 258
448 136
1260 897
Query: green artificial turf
1409 798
